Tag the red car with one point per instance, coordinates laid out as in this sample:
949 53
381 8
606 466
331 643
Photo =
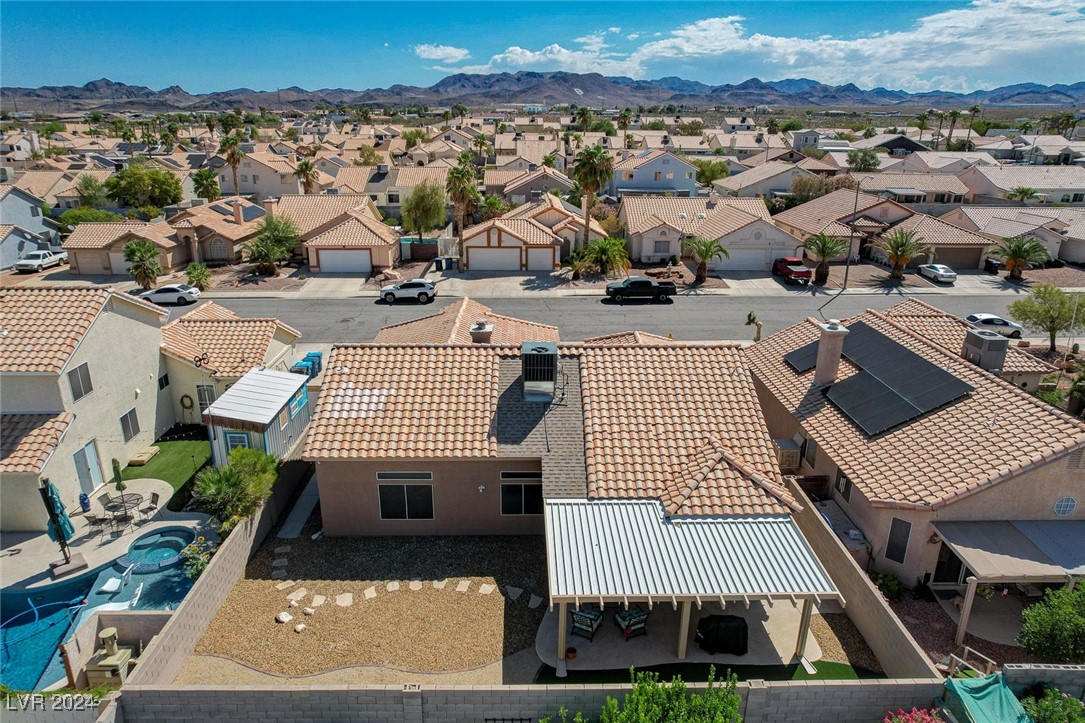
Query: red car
792 269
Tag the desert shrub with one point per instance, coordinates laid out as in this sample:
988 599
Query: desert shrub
1054 706
889 584
1053 629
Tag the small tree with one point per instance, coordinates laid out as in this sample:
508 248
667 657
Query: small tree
705 250
414 137
142 259
75 216
1053 629
608 255
653 700
1020 253
901 246
824 248
139 185
1054 707
234 492
424 208
1048 309
709 171
863 160
275 240
1021 193
198 276
91 192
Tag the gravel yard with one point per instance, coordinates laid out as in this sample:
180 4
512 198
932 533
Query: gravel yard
415 627
934 631
238 277
841 641
870 276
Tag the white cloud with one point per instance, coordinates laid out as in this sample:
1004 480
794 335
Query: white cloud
632 36
443 53
386 45
614 29
960 49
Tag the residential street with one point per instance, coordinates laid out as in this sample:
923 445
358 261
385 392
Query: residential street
703 317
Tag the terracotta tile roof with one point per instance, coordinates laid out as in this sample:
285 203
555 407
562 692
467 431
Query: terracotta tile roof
311 211
628 338
540 172
353 178
755 175
1006 222
528 231
40 327
39 183
536 210
926 182
452 325
1038 177
210 221
161 234
99 235
405 402
643 213
823 215
933 460
941 159
949 331
638 159
715 480
816 166
28 440
233 345
936 232
356 231
412 176
500 178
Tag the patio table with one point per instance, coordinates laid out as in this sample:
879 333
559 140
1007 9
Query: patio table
124 502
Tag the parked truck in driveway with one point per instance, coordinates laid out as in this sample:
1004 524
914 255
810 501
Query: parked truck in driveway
641 287
792 269
40 260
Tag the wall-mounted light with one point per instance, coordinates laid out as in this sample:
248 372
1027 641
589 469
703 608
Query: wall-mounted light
482 488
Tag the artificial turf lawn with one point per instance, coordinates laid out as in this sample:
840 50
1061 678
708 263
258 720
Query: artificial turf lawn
176 463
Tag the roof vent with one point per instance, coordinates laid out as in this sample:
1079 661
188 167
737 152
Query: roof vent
986 349
482 332
702 215
539 365
382 168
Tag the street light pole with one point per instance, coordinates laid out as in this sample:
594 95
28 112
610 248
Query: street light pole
851 240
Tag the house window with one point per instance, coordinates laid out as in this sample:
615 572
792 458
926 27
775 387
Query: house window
35 211
627 175
405 476
521 499
255 178
297 402
284 419
1079 198
522 475
843 485
129 425
663 247
393 198
659 175
79 380
670 175
244 178
810 450
235 440
163 381
896 549
406 502
222 177
1065 506
205 393
689 175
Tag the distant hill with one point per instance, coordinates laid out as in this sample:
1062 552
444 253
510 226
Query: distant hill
525 87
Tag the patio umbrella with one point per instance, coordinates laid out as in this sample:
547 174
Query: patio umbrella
60 528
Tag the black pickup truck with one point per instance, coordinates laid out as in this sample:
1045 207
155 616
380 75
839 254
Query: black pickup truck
641 287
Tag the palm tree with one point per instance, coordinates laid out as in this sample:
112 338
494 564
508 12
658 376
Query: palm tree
275 240
973 111
230 148
1025 127
462 189
922 124
824 248
751 320
205 182
624 120
592 169
954 115
1020 253
481 146
608 255
142 259
583 117
447 117
549 160
129 136
901 246
209 121
704 250
308 174
941 116
1021 193
492 207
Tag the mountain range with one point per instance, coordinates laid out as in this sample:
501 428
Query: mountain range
550 88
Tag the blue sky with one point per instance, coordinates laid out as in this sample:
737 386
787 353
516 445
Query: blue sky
204 46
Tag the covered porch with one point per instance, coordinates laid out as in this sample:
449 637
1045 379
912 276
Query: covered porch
1006 563
611 556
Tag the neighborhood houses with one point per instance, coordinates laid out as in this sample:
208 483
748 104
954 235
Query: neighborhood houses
543 394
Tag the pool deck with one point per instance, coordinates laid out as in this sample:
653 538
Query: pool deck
29 567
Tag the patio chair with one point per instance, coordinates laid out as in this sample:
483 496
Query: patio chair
151 508
96 523
586 622
632 622
105 500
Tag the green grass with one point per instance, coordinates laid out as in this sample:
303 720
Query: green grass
698 673
176 462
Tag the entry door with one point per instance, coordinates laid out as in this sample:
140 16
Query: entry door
87 468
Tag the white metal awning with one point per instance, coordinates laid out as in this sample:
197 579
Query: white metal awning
629 550
1011 551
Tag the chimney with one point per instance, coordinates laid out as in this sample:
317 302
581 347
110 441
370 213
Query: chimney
713 198
624 155
830 346
481 332
239 216
270 206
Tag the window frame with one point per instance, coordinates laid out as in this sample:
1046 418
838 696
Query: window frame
284 419
845 489
163 381
523 499
1067 503
406 502
230 447
90 382
889 539
526 475
406 475
132 431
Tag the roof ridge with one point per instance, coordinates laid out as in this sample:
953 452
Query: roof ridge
671 505
758 479
459 316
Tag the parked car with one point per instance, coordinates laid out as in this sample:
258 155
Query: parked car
641 287
39 260
171 294
995 323
937 272
792 269
420 289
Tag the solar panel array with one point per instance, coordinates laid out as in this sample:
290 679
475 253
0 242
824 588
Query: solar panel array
248 213
223 210
895 385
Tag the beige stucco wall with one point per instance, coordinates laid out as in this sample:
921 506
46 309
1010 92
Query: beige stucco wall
20 503
350 506
30 393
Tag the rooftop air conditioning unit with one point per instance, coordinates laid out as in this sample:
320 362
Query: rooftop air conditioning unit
332 191
986 349
539 366
788 454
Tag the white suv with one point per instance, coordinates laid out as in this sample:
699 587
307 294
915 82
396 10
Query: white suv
419 289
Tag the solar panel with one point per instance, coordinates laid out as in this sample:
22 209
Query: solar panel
223 210
873 406
248 213
804 358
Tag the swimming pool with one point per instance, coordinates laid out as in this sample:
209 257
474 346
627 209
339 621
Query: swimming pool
158 549
34 622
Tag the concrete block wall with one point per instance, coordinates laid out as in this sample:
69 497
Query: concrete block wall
894 646
1070 679
135 628
835 701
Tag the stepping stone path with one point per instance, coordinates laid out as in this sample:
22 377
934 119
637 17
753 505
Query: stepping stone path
293 603
318 600
297 594
345 600
370 593
279 574
485 588
283 617
281 562
393 586
439 584
514 592
285 584
282 550
463 586
308 611
299 627
415 585
535 602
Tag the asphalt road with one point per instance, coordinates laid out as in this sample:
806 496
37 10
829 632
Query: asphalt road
577 317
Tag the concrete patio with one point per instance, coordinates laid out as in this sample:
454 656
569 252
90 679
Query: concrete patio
25 556
997 620
773 632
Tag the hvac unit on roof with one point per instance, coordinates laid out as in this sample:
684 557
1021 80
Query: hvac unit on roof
788 454
986 349
539 367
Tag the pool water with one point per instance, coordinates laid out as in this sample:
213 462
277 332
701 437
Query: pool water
34 622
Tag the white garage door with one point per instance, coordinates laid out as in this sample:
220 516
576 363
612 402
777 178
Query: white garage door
117 264
540 259
490 259
742 260
345 261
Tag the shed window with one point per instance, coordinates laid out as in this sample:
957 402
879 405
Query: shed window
235 440
406 502
284 419
297 402
521 499
896 549
79 380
